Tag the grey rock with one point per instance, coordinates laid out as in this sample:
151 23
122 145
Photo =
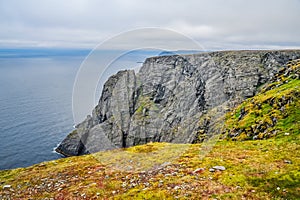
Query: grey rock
6 187
71 146
175 98
287 161
96 140
220 168
211 170
177 187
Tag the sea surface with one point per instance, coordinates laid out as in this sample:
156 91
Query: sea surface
36 100
35 103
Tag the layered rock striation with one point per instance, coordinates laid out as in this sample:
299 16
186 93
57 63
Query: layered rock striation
176 98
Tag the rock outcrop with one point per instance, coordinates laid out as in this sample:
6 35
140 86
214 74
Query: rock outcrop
177 98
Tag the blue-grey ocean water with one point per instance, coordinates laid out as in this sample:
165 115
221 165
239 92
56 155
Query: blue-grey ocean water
35 104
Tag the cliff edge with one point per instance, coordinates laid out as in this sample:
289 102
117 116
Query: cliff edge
177 99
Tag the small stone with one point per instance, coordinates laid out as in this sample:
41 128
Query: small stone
211 170
220 168
198 171
286 134
287 161
253 191
114 192
176 187
97 194
6 186
278 188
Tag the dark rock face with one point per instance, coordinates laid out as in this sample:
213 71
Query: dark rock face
173 99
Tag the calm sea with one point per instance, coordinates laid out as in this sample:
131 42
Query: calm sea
35 104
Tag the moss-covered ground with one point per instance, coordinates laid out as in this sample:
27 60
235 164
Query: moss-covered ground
260 169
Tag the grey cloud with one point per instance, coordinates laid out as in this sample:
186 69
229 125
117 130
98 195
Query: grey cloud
217 24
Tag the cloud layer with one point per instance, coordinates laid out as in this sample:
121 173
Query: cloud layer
215 24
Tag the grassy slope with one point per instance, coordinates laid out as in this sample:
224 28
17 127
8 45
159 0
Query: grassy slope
274 111
255 169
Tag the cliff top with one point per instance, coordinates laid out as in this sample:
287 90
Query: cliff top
246 51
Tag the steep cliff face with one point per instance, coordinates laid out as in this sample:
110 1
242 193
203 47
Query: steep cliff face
177 99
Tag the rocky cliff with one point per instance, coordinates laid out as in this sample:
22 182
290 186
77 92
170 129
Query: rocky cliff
178 99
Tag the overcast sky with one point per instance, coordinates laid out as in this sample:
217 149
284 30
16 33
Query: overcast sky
215 24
